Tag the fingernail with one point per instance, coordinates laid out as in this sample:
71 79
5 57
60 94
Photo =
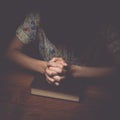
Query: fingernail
57 84
52 80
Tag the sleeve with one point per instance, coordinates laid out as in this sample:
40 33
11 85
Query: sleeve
113 40
26 32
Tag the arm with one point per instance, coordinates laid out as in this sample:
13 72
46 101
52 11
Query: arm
113 46
15 54
76 71
91 72
24 34
112 41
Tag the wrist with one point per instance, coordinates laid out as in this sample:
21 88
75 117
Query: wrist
74 71
41 66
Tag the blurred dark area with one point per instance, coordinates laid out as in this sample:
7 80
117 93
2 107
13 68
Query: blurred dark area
62 20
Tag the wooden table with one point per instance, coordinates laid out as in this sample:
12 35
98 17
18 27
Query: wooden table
100 101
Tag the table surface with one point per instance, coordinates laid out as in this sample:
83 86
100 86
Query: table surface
100 101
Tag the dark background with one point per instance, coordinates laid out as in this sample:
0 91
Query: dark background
60 19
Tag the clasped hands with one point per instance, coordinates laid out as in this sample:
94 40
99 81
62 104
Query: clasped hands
56 71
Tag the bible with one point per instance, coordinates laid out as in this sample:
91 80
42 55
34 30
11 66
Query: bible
69 89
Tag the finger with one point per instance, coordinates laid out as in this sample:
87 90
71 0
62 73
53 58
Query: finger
58 78
55 64
57 83
57 70
51 72
60 60
63 63
56 59
49 79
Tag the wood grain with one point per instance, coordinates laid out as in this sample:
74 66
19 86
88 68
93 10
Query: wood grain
100 101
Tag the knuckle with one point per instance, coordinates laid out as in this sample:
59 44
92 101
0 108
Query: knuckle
50 73
48 64
57 78
47 71
60 70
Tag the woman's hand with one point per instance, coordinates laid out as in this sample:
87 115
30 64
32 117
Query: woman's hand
56 70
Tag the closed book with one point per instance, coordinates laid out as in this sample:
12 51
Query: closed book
69 89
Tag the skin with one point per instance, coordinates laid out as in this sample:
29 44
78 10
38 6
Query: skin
56 69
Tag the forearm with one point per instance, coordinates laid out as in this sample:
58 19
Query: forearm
91 72
26 61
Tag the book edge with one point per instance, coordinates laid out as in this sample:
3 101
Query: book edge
57 95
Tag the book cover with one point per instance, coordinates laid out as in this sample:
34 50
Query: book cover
69 89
